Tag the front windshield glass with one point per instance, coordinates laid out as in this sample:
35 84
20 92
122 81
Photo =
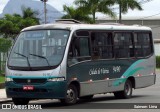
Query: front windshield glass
41 48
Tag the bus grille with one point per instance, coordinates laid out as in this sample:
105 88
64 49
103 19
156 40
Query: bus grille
29 81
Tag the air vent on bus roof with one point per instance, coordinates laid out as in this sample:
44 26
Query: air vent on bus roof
68 21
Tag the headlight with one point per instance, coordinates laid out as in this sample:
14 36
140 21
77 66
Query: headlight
8 79
57 79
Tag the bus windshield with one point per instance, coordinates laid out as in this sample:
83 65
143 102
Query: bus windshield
39 48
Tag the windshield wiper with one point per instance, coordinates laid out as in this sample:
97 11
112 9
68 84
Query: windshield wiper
41 57
25 57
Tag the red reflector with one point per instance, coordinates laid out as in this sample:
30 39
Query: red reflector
28 87
139 75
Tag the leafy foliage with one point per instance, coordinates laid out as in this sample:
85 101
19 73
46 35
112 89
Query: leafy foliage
125 5
28 13
11 25
5 45
93 6
76 13
2 78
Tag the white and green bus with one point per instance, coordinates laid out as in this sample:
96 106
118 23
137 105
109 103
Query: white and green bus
67 61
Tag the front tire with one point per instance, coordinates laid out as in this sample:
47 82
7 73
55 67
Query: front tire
71 96
126 93
20 101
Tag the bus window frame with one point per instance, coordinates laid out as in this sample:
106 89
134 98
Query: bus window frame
102 31
112 32
132 37
151 43
70 45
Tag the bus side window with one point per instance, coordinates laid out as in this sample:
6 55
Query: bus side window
123 44
138 45
147 44
79 50
143 44
102 47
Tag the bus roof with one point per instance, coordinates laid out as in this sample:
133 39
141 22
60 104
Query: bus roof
76 26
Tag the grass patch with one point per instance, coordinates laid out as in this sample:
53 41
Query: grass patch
2 79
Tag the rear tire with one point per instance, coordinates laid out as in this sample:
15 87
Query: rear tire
20 101
71 96
126 93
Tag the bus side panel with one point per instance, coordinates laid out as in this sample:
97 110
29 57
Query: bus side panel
104 86
99 76
109 75
144 81
146 76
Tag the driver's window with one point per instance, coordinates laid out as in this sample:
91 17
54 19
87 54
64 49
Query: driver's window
79 50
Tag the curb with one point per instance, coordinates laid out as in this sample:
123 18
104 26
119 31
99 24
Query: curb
5 100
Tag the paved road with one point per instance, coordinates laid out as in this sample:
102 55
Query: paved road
145 95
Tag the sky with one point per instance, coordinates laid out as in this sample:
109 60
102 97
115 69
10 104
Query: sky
149 9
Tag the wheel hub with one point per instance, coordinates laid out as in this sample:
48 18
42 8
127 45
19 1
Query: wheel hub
128 89
70 95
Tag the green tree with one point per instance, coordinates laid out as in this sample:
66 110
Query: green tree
125 5
5 45
31 14
93 6
75 13
11 25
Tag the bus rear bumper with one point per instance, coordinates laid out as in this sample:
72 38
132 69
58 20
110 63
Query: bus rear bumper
49 90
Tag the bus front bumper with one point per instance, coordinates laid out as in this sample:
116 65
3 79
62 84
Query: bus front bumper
48 90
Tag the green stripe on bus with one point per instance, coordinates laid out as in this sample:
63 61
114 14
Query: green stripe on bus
129 72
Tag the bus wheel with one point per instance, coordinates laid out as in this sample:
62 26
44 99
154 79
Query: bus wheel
71 97
20 101
89 97
126 93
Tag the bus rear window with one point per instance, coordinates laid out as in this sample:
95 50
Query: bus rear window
143 44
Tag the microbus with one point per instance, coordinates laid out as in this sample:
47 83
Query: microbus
68 60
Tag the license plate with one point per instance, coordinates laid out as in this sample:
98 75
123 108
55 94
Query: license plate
28 88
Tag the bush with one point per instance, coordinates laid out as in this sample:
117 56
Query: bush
2 79
2 73
158 61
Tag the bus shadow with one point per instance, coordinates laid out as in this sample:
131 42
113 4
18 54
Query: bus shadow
83 104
